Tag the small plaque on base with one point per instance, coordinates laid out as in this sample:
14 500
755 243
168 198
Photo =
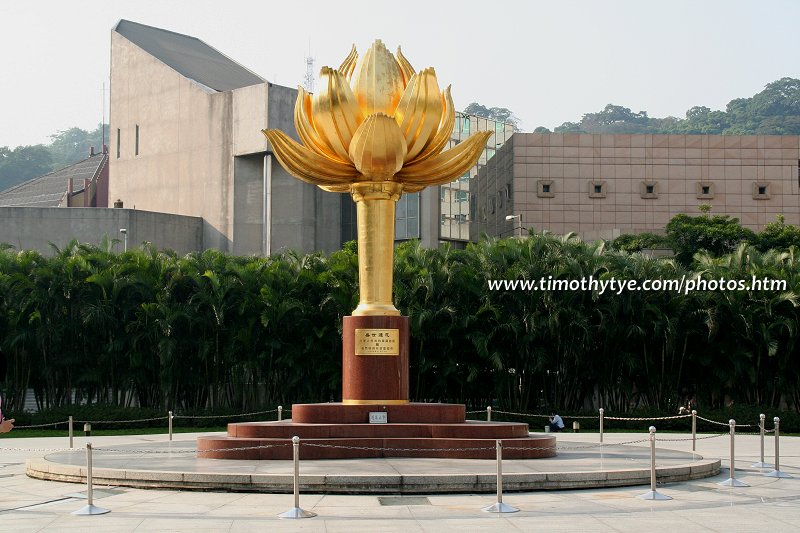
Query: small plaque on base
377 341
378 417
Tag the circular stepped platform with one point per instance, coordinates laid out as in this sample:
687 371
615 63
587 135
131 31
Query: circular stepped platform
340 431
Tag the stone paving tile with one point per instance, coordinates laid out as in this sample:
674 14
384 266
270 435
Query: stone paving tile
701 505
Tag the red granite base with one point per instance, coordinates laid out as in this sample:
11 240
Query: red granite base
338 431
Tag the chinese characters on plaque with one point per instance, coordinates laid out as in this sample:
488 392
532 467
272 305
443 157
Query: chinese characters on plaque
377 342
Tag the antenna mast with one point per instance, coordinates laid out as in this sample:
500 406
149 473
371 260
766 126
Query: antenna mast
308 80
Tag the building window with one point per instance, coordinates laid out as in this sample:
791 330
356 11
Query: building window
597 189
136 151
462 196
761 190
648 190
544 189
118 143
705 190
406 218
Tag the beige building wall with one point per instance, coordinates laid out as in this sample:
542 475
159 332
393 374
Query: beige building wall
601 186
178 146
184 160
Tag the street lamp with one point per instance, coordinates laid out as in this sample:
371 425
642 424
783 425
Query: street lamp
519 218
124 232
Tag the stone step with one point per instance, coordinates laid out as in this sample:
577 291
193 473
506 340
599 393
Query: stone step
288 429
351 448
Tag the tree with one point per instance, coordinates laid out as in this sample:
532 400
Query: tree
501 114
718 235
23 163
778 235
72 145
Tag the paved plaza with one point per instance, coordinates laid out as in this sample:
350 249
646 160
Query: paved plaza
701 505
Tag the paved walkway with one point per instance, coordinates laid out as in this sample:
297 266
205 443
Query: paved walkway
768 504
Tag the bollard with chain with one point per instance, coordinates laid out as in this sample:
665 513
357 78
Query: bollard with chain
280 413
296 511
732 481
777 472
602 412
761 464
71 433
489 413
169 423
694 429
653 494
499 506
89 508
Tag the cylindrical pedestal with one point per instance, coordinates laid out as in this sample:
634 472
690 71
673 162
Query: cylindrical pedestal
375 360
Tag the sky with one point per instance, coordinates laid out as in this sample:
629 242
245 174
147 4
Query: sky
547 61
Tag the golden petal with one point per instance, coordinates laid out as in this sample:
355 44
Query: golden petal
378 148
405 67
335 112
445 131
419 112
304 125
335 188
307 165
448 165
378 84
349 64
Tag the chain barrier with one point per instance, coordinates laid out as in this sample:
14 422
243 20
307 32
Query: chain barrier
229 416
716 435
647 419
52 424
376 449
121 421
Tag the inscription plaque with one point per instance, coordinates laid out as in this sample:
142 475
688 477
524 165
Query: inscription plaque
377 342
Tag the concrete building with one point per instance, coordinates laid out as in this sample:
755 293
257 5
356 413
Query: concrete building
601 186
186 139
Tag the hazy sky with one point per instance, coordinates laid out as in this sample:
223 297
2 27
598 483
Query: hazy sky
548 61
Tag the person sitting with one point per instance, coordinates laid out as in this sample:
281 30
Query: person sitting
556 423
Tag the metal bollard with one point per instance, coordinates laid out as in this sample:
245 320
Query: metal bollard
694 430
71 432
280 413
732 481
489 413
653 494
777 472
169 423
296 511
89 508
87 429
499 506
761 464
602 411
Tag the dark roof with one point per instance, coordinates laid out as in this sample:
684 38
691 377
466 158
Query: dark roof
49 190
190 56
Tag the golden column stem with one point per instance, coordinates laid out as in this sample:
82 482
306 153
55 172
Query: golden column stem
375 202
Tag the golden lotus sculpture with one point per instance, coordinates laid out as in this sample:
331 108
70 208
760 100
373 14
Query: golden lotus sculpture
375 130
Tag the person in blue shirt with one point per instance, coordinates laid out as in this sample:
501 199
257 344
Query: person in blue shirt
556 423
